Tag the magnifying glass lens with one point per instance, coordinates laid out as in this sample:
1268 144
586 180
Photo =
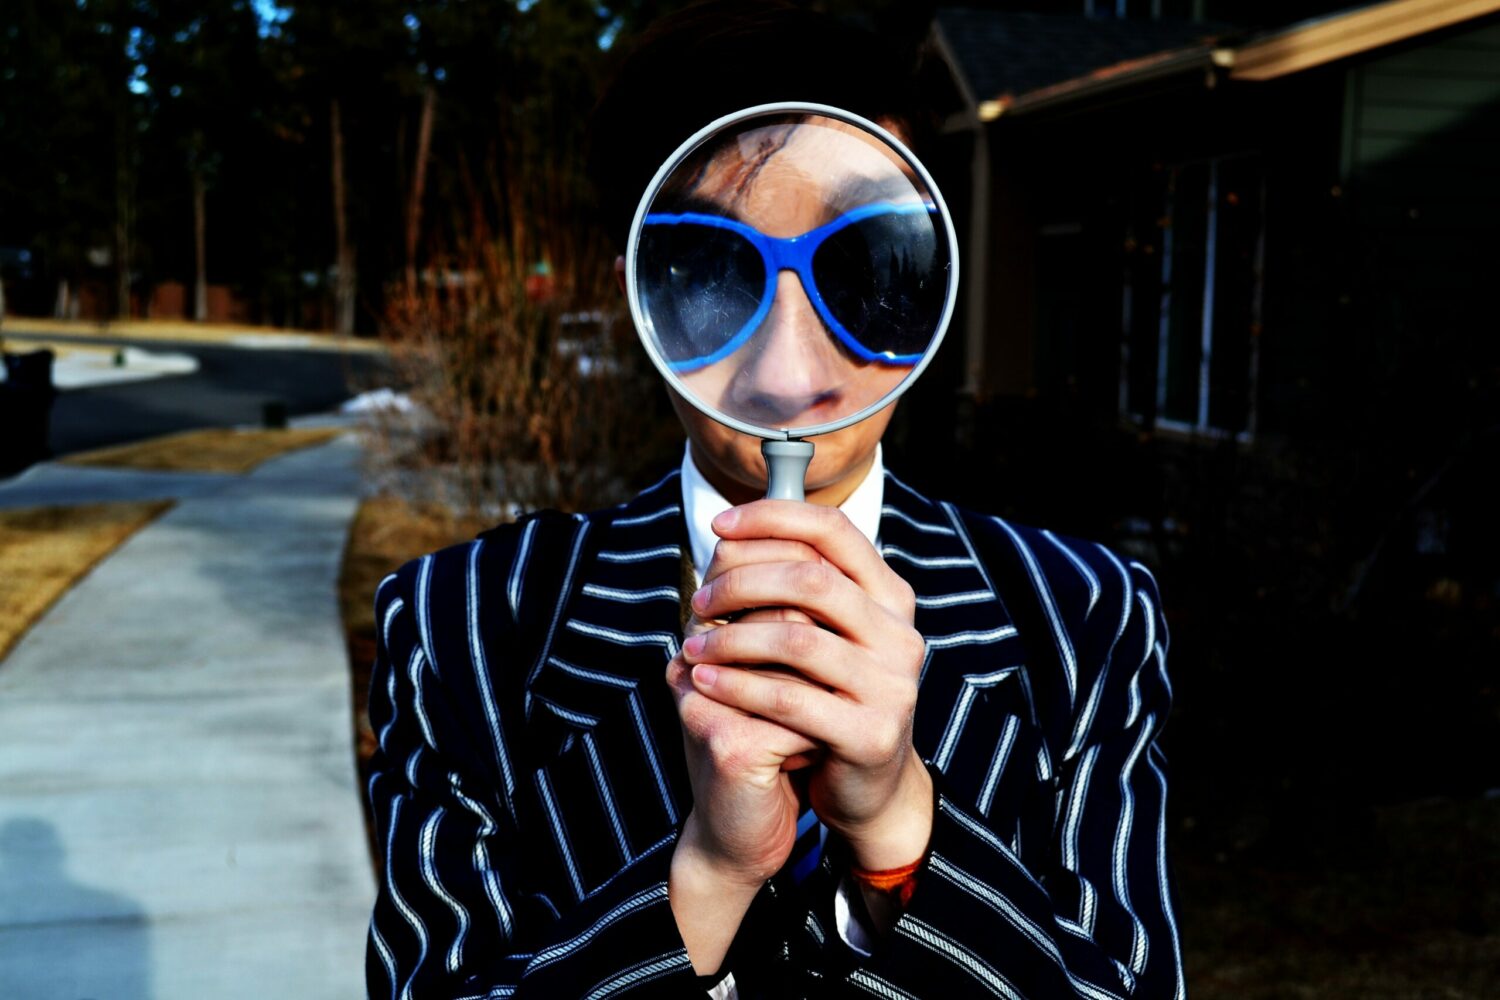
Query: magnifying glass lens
791 271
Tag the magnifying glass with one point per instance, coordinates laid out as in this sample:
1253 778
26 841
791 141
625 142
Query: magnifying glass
791 270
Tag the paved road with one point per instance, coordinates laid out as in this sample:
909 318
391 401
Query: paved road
180 815
230 388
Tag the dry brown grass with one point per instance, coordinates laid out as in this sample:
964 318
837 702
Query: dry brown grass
45 550
385 533
211 450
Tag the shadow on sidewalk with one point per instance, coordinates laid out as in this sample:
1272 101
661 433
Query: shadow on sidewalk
59 938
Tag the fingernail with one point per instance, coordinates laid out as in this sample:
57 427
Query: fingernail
727 519
700 598
694 645
705 675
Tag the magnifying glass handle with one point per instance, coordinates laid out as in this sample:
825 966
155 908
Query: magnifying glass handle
786 468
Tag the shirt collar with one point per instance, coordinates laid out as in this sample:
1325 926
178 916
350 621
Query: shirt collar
701 503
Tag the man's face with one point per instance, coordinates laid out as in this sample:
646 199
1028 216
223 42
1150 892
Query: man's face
789 192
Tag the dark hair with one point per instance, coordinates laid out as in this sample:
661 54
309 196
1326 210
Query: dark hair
717 57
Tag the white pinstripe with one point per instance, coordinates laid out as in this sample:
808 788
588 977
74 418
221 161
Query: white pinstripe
871 983
424 609
940 943
1071 823
418 701
631 596
567 586
997 763
400 901
932 529
606 796
554 818
666 640
386 958
518 569
963 534
482 678
491 879
1044 592
631 522
971 638
925 562
643 734
1089 576
953 600
995 843
1161 876
972 684
391 611
547 956
643 972
426 839
641 555
1139 943
596 676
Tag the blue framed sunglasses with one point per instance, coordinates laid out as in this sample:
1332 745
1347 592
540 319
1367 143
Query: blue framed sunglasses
876 275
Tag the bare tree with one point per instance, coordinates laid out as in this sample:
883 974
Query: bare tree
344 287
418 188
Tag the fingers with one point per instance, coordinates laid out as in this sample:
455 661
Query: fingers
820 590
723 728
731 552
850 732
831 533
814 653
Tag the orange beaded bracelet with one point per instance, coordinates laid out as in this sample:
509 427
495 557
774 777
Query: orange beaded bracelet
898 883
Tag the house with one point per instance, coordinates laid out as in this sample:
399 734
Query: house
1229 303
1189 233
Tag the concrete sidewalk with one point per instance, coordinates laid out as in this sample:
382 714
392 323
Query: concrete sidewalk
179 814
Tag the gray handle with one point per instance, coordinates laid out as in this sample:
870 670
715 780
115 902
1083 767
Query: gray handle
786 468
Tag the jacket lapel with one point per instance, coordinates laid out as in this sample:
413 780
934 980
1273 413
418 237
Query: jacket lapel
975 664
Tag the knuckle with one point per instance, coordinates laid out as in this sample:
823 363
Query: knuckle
813 579
906 597
727 756
788 699
726 552
915 646
798 642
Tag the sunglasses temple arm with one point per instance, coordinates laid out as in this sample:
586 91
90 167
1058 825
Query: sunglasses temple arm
786 468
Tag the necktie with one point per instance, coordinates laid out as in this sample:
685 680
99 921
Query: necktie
809 846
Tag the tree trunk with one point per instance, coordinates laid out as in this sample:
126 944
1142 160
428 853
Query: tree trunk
122 215
344 252
419 185
200 249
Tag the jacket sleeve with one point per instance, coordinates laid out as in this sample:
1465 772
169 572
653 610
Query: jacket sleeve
451 919
1090 913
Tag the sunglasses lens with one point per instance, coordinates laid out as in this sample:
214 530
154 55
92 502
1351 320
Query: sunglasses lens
885 279
700 286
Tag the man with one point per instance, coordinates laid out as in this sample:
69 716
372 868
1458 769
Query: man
949 787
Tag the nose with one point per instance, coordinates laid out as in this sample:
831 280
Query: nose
793 373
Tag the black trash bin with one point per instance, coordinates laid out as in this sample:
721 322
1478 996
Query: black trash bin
26 398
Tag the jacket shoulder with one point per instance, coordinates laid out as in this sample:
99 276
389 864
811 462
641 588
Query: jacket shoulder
1079 577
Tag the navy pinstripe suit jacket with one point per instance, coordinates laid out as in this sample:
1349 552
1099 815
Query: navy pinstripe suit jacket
530 781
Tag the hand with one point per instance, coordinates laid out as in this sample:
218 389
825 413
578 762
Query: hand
860 653
743 823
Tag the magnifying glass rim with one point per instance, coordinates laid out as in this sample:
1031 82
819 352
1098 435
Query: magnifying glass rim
637 314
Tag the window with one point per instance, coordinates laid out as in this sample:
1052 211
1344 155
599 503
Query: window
1192 298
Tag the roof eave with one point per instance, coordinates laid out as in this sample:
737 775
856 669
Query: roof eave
1103 82
1329 39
